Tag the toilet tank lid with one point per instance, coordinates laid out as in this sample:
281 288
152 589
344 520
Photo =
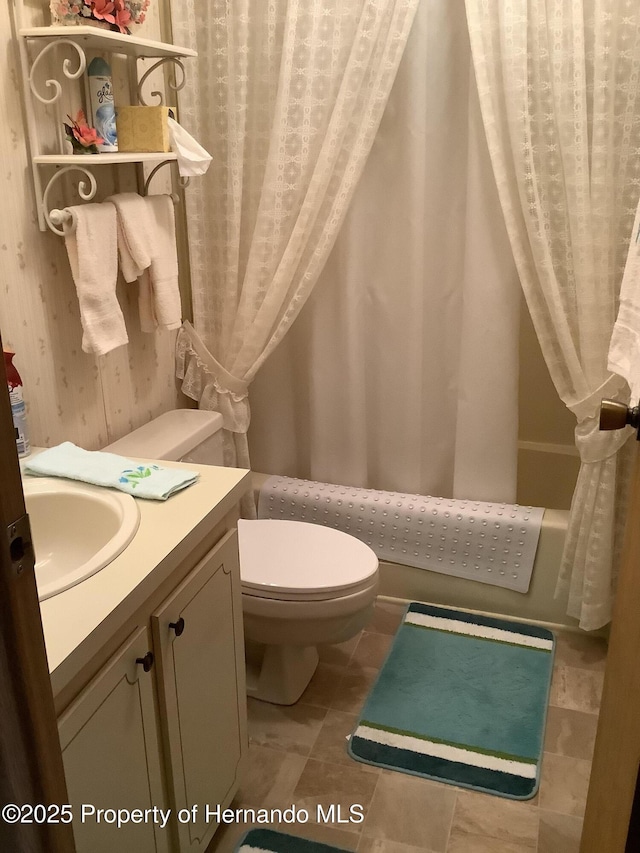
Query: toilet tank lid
170 436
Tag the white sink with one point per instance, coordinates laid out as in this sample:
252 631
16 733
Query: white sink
77 530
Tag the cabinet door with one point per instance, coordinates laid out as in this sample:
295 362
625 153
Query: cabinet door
111 755
202 688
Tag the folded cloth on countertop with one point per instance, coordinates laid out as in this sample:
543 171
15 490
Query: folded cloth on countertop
110 470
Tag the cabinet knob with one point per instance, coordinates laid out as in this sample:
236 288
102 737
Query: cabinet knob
146 661
178 626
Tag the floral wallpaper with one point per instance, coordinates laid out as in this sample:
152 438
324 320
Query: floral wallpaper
90 400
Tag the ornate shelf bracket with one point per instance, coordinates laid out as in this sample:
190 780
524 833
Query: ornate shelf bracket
182 182
67 70
175 85
86 191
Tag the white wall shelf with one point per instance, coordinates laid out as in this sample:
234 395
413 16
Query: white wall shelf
94 38
103 159
53 57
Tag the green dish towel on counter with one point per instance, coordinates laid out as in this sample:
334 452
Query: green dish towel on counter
108 469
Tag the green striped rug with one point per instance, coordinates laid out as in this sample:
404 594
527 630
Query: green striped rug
279 842
460 699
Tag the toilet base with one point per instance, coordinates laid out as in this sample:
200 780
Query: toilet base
279 673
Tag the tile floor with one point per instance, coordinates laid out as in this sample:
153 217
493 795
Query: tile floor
297 755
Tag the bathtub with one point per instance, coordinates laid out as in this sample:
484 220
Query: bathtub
407 583
537 605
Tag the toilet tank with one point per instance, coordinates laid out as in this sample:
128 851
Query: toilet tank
183 435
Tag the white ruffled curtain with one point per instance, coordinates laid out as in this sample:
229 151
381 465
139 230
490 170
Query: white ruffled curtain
559 84
287 97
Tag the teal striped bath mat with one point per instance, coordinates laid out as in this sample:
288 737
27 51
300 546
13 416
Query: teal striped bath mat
460 699
259 840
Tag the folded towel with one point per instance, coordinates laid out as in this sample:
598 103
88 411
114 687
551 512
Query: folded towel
163 271
107 469
624 350
147 246
90 238
133 234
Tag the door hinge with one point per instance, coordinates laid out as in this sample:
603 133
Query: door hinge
20 545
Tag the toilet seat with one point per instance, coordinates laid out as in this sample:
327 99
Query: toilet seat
299 561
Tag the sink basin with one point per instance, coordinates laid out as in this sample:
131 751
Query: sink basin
77 530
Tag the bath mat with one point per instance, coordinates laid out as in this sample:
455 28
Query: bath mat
279 842
491 543
460 699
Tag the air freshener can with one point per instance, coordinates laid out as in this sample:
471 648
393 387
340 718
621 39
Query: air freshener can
103 111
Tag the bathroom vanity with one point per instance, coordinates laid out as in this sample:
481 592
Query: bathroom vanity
147 666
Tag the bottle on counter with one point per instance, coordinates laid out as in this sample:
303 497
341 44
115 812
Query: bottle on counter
18 409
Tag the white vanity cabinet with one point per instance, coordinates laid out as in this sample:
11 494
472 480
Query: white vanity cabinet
109 738
174 736
197 634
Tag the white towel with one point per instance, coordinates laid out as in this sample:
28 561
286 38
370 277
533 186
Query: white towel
147 245
90 238
624 350
107 469
163 272
133 237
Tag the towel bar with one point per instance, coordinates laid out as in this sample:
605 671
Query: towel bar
64 216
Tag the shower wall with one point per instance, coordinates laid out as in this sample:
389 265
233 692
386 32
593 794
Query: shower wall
548 461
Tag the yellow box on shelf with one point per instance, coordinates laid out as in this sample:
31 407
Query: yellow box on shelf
143 128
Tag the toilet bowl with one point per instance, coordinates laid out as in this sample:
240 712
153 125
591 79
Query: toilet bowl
302 584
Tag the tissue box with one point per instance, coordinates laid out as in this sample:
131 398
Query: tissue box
143 129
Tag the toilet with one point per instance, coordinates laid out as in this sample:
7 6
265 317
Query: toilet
303 584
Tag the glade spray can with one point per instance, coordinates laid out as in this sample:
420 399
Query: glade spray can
18 409
103 111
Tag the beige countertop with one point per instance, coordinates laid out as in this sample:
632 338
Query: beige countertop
79 621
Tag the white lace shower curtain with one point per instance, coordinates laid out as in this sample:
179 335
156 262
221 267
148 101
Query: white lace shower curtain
401 371
287 97
559 84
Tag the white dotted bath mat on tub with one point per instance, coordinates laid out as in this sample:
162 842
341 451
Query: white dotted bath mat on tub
487 542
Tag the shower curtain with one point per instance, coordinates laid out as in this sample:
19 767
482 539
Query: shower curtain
559 84
287 97
400 373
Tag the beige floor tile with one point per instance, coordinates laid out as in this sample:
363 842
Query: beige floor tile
571 733
580 650
495 817
325 784
577 689
292 728
270 777
323 686
383 845
462 842
412 811
372 650
387 617
559 833
331 743
354 688
564 784
339 653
